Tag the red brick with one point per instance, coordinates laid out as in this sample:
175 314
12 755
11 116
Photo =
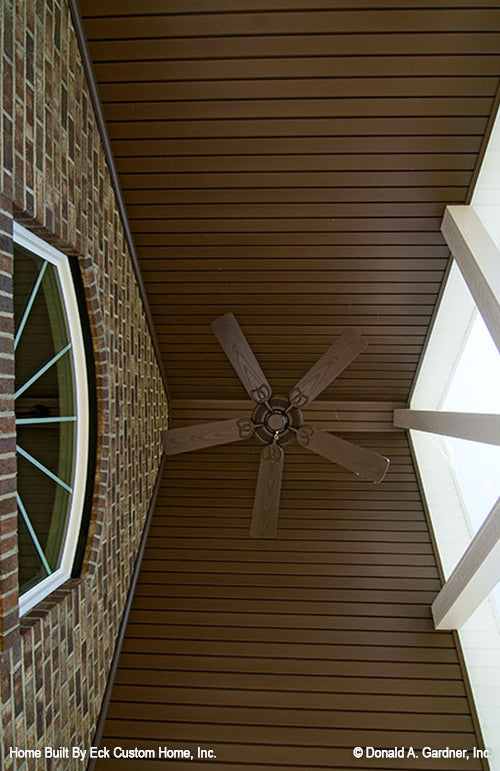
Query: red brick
73 207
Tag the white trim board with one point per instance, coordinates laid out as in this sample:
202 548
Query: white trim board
475 576
478 258
36 245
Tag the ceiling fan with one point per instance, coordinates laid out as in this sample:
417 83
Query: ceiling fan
277 420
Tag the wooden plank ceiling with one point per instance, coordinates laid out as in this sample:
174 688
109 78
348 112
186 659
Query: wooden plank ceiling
287 653
292 166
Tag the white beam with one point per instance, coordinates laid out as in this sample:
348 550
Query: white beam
478 427
477 573
478 258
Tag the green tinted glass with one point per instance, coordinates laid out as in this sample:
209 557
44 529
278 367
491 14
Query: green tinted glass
45 416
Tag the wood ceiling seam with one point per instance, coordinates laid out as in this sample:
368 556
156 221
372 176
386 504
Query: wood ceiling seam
97 9
321 126
444 104
305 21
172 90
432 143
369 66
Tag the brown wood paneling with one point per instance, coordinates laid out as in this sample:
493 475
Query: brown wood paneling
117 8
330 416
471 65
325 20
291 166
268 152
299 145
294 649
309 88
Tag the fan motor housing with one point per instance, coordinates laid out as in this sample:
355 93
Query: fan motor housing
274 420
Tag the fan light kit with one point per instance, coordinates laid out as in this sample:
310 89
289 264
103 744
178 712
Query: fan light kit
278 420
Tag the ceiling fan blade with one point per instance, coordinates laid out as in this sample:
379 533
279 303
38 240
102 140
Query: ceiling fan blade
326 369
178 440
267 495
363 462
233 341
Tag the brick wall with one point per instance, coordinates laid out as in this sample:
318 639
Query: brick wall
54 179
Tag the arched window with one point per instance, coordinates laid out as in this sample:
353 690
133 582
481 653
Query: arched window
52 416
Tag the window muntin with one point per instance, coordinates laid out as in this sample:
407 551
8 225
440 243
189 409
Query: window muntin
51 416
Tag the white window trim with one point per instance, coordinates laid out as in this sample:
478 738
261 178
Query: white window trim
471 563
33 243
478 259
475 576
